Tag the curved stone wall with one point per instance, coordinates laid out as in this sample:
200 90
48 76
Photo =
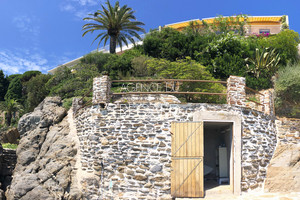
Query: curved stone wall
126 148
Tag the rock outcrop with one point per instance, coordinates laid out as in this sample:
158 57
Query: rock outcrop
46 155
283 173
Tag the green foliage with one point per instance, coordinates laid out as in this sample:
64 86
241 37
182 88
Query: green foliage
286 42
284 24
139 66
11 107
169 44
120 65
287 89
187 69
98 58
14 90
3 85
11 77
266 61
28 75
9 146
68 83
37 91
118 24
116 66
225 56
67 103
225 25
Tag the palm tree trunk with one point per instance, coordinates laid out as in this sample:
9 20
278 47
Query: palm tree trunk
8 118
112 44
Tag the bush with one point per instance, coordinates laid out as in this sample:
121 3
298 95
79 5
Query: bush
187 69
68 83
98 58
9 146
37 91
172 44
139 66
28 75
287 89
286 43
120 65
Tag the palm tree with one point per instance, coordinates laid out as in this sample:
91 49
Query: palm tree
118 24
12 106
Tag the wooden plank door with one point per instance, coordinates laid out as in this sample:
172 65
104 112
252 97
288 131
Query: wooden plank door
187 159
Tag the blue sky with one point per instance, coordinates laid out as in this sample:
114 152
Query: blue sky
42 34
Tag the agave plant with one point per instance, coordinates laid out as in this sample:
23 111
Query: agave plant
265 60
116 23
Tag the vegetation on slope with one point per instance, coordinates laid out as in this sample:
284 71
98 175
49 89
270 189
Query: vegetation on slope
189 54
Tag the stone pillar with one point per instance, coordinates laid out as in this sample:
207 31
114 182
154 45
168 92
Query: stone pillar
236 91
268 102
101 89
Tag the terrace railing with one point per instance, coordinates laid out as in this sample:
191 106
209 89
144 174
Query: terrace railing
236 90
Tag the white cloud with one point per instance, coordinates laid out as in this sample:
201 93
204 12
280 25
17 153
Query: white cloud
86 2
27 24
67 7
80 8
15 62
82 13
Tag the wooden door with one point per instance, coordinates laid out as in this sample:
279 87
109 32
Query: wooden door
187 159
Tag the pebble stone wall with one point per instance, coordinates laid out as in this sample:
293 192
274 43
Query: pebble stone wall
126 147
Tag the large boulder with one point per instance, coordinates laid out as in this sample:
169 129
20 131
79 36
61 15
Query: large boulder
46 155
10 136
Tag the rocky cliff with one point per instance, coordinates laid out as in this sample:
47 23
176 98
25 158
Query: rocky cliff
46 154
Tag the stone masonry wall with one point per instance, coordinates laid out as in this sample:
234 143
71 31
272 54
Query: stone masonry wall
8 160
126 149
288 130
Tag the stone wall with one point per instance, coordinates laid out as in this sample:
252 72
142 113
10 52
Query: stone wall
8 160
126 148
288 130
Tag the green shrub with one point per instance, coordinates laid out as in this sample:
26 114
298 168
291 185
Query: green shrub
28 75
11 77
287 89
67 103
97 58
37 91
187 69
286 43
9 146
68 83
139 66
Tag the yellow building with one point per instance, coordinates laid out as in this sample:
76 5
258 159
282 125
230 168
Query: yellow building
254 24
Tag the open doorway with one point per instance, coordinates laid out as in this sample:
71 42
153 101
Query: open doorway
218 153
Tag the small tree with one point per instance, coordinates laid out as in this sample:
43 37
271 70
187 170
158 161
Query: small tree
224 25
14 90
3 85
37 90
